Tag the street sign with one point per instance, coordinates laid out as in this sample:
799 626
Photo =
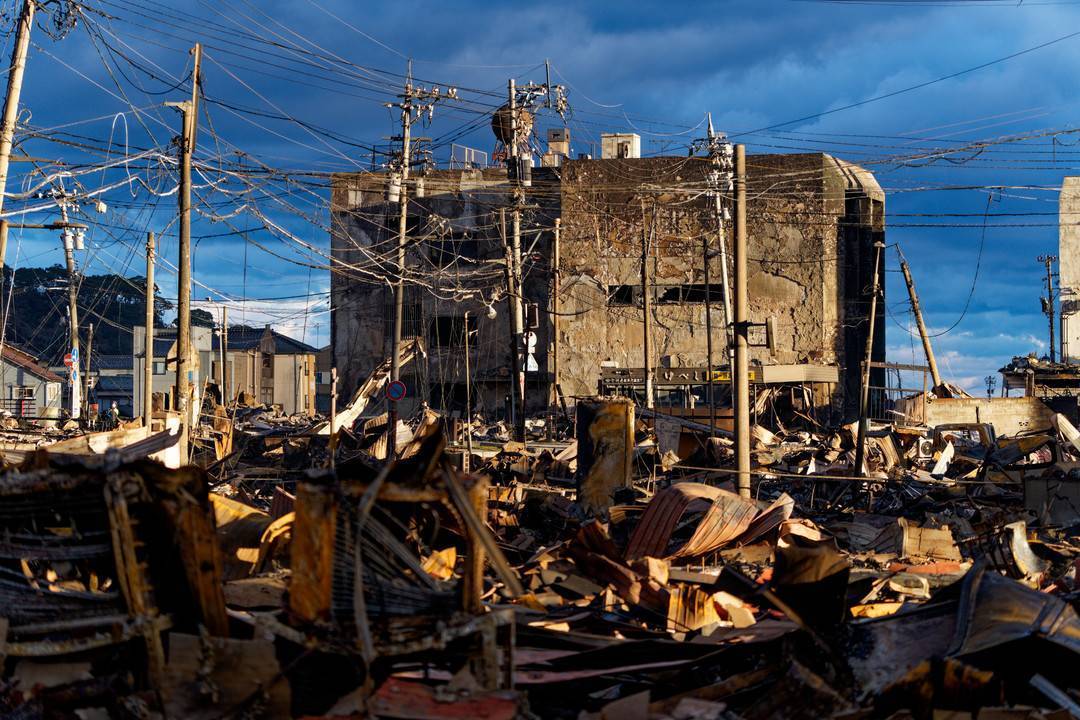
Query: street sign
395 391
68 360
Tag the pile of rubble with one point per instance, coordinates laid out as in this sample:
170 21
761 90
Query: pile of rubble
613 574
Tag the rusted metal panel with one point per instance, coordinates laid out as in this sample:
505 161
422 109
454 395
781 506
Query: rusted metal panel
605 428
311 555
727 517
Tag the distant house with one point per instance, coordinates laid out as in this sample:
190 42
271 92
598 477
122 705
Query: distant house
29 388
324 362
111 381
273 368
164 362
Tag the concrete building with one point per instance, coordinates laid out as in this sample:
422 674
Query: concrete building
1069 269
30 389
812 219
273 368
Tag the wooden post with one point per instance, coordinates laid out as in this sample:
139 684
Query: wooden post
11 105
190 111
148 340
741 369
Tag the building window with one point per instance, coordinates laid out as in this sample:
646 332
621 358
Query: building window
691 293
22 392
449 330
624 295
159 367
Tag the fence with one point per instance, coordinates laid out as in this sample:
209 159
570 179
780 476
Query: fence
19 407
884 401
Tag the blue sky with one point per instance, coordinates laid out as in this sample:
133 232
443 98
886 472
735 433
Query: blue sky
650 67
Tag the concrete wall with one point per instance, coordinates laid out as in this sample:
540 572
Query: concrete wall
294 383
811 229
458 213
1008 415
1069 266
812 223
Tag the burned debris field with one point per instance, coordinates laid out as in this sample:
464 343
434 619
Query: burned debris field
584 361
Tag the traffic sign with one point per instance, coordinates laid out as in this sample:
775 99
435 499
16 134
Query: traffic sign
395 391
68 360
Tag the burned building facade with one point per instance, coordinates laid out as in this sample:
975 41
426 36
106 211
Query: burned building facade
812 224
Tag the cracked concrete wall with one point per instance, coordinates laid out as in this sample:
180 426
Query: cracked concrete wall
812 220
459 207
798 213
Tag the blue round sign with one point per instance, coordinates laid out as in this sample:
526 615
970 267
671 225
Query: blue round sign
395 390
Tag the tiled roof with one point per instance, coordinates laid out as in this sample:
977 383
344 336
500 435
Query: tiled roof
29 363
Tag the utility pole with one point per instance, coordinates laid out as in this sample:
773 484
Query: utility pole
646 308
1048 301
414 103
516 319
719 179
555 289
11 105
86 375
68 237
190 113
927 348
741 369
468 398
148 340
512 298
864 390
332 443
225 394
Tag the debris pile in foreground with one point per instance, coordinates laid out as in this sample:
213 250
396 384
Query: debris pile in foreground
614 574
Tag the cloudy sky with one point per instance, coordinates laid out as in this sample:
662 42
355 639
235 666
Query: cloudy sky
299 85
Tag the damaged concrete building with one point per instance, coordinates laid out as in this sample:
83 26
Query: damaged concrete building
812 219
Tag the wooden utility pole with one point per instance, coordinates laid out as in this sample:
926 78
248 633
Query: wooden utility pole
86 375
915 309
516 315
148 340
11 105
468 398
555 289
741 370
415 101
1048 303
190 113
708 329
512 296
399 285
226 396
332 443
646 308
68 238
864 390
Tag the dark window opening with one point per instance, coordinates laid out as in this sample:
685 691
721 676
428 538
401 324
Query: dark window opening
693 293
623 294
449 330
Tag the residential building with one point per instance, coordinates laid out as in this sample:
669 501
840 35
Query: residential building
324 363
273 368
164 362
111 381
812 219
29 388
